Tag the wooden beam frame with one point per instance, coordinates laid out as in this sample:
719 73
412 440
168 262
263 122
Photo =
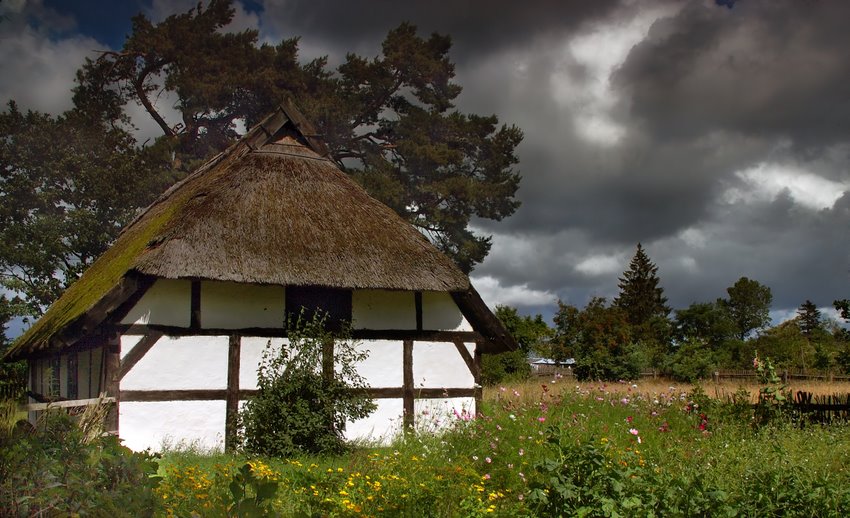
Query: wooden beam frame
417 301
137 352
263 332
467 358
221 394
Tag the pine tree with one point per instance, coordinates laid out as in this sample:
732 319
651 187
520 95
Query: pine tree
808 318
641 297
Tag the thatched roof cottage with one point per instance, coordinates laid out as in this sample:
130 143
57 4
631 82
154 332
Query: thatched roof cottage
172 319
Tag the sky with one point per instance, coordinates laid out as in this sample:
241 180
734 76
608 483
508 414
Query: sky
715 133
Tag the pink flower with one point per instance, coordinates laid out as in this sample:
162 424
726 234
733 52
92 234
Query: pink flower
634 431
486 476
488 460
541 419
630 419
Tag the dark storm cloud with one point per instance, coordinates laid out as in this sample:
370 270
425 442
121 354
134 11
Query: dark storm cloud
476 27
776 69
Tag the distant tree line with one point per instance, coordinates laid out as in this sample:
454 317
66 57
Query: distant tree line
638 331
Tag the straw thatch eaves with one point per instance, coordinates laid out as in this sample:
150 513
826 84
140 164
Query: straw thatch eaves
269 210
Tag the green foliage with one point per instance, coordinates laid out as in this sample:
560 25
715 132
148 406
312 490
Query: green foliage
774 398
68 186
748 306
504 367
642 299
305 395
531 333
599 338
390 121
708 322
251 495
690 361
809 318
59 469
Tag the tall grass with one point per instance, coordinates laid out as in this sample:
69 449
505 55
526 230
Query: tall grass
639 449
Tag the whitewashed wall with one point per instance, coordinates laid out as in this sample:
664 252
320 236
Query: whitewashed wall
152 425
189 362
167 302
200 362
230 305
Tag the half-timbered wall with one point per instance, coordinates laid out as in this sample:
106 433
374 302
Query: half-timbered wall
74 375
176 387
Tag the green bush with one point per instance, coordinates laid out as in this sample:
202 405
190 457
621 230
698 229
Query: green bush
298 408
691 361
599 364
504 367
59 468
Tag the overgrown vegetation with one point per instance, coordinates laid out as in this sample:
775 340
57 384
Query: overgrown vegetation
545 449
308 389
66 466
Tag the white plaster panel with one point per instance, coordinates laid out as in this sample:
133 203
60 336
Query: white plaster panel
188 362
440 313
251 355
174 423
231 305
167 303
440 365
384 365
433 415
381 427
128 342
383 309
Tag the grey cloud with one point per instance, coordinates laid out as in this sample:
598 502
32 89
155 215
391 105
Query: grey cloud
766 68
476 27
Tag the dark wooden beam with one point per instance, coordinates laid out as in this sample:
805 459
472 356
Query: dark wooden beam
484 321
417 299
195 306
234 351
174 395
267 332
137 352
407 384
244 394
467 358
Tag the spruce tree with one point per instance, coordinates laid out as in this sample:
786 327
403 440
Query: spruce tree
642 299
808 318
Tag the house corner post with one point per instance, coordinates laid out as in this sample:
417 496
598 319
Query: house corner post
112 376
476 373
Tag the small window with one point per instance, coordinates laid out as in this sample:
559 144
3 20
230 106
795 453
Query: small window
72 376
335 303
54 368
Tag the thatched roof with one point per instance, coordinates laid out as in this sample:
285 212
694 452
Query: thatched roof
269 210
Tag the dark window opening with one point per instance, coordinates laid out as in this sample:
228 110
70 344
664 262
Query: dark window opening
305 301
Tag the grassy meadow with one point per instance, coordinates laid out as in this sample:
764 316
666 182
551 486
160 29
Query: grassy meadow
550 447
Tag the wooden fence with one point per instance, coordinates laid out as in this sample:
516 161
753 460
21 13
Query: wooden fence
822 408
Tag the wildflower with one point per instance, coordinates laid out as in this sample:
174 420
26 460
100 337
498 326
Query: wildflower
486 476
512 417
541 419
521 452
630 419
